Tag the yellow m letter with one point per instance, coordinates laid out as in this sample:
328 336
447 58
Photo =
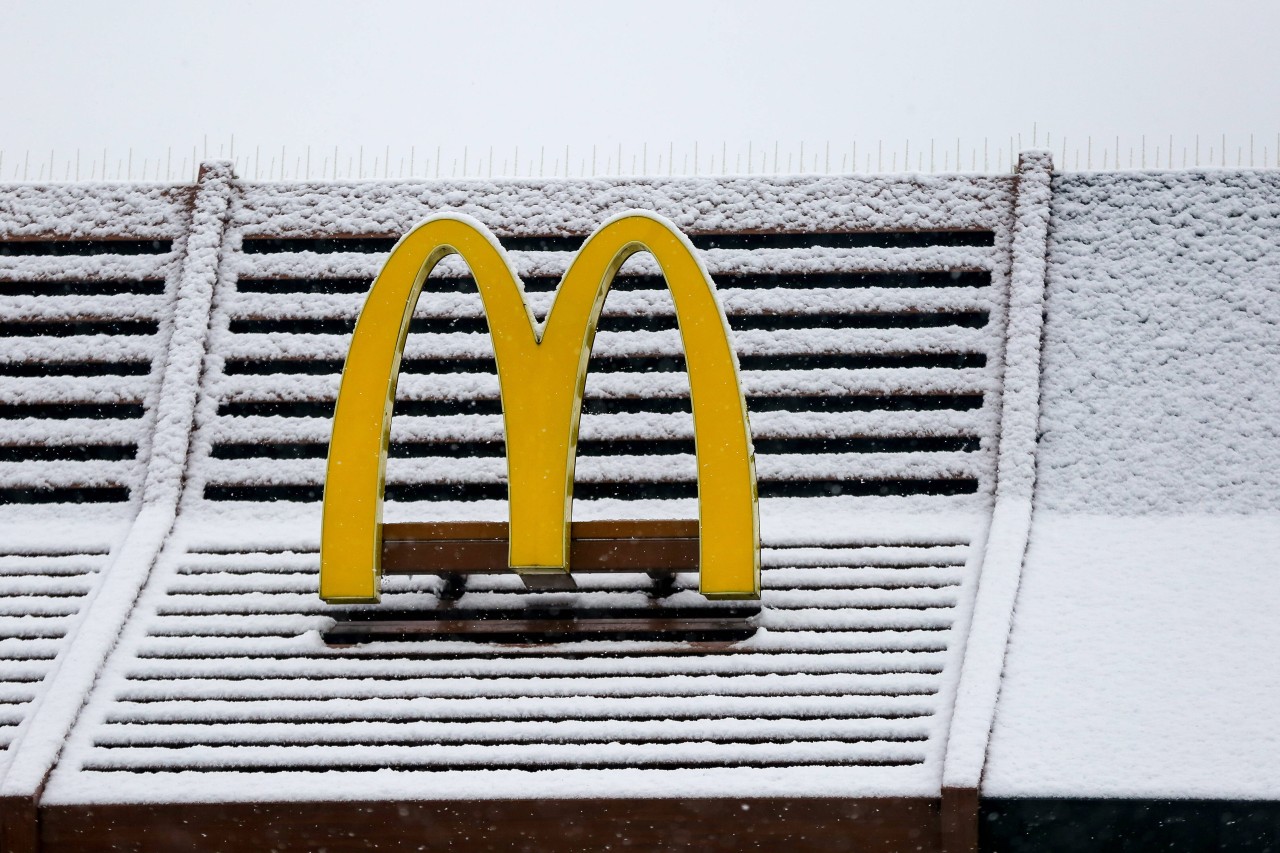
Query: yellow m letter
541 375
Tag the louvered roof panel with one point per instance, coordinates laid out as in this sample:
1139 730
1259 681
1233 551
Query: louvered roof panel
87 274
872 373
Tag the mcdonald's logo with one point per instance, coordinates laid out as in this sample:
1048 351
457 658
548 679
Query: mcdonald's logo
541 375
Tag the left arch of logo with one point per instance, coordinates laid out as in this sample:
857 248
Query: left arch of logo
541 374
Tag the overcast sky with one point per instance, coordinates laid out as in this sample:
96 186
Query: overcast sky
656 77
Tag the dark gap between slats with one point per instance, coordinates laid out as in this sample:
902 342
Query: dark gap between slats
617 447
497 615
599 491
68 328
447 765
633 693
598 405
68 452
637 364
547 284
646 586
81 288
497 740
84 247
848 240
579 674
750 242
63 411
641 323
75 368
378 716
693 650
68 495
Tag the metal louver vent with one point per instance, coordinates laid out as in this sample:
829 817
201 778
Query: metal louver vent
870 358
876 377
77 348
40 598
86 275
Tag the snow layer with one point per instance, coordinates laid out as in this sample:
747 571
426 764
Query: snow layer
1162 348
808 203
1141 662
92 211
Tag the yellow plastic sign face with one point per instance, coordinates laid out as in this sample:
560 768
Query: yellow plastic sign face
541 373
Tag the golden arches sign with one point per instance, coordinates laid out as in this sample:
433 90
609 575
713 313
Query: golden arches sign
541 373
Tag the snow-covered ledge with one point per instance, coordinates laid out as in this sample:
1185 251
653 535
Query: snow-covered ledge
1006 544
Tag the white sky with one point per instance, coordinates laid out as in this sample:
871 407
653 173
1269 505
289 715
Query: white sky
412 76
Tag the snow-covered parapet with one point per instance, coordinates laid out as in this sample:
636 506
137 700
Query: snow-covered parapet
1139 661
1160 352
1006 542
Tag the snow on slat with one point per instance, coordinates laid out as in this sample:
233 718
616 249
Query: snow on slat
464 688
13 648
292 641
280 345
507 731
13 694
87 348
626 303
41 584
525 708
596 427
38 431
89 268
560 206
720 263
196 569
39 605
57 473
605 384
59 389
16 309
590 469
297 603
453 757
34 626
12 565
236 647
89 211
657 667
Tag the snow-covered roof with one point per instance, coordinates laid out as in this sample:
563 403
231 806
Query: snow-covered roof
1139 662
939 370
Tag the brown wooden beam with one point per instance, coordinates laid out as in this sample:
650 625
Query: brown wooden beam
480 547
796 825
19 825
959 822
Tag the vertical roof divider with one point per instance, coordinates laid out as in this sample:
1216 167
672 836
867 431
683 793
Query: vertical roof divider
1006 544
39 744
